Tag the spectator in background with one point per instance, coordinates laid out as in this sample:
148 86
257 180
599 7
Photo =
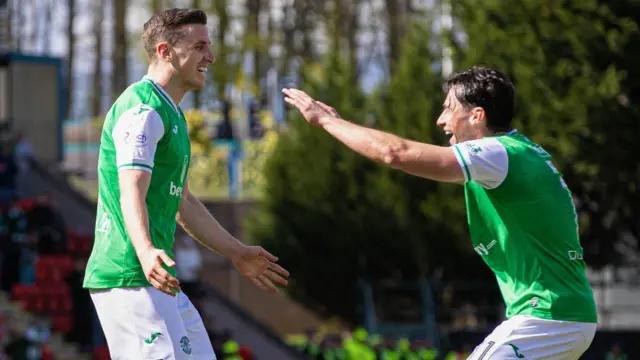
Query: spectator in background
38 334
27 242
48 224
246 353
19 347
188 265
220 339
8 172
3 325
9 256
23 157
16 248
616 353
83 310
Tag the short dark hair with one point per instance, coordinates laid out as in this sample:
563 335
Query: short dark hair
489 89
165 26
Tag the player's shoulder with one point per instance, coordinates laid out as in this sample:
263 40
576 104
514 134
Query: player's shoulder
138 114
520 145
138 93
483 146
140 110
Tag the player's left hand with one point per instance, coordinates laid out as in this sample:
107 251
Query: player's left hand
258 265
312 110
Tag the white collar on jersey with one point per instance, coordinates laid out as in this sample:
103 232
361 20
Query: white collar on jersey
162 93
511 132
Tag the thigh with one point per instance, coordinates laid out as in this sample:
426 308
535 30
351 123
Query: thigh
530 338
197 339
140 323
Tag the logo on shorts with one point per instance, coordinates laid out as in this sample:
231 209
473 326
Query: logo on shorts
534 302
517 351
152 338
185 345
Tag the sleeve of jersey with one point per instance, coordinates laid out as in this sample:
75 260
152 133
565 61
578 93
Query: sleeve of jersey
484 161
136 136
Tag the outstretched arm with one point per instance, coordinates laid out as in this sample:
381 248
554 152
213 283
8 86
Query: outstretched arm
254 262
198 222
425 160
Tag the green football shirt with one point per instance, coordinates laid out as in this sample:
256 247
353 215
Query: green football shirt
143 130
524 225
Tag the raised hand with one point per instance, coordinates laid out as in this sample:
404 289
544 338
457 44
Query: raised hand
312 110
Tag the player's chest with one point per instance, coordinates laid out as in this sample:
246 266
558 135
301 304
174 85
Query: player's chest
175 147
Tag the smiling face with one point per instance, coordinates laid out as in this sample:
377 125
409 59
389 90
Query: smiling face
459 121
480 102
191 56
177 40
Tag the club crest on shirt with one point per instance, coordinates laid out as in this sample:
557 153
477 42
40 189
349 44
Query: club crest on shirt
185 345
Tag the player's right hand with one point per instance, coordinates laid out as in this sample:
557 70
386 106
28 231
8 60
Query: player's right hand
312 110
151 260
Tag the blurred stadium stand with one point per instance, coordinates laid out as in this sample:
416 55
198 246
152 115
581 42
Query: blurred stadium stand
49 295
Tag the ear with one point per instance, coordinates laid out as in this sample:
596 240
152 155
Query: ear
477 115
162 50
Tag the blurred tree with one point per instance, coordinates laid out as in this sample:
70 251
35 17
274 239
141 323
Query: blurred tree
156 6
71 8
396 29
255 43
197 94
119 76
333 216
224 69
208 171
429 215
310 201
45 32
344 26
96 98
609 190
569 63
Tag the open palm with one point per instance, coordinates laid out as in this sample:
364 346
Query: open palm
312 110
258 265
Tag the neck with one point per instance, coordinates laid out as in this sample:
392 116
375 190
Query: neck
500 132
488 132
167 81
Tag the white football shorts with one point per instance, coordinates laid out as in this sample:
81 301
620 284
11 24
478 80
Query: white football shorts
143 323
528 338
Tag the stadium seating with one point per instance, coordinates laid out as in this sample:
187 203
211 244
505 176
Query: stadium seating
79 244
50 295
101 353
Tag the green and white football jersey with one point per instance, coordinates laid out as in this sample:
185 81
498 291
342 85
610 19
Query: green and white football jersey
524 225
144 130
